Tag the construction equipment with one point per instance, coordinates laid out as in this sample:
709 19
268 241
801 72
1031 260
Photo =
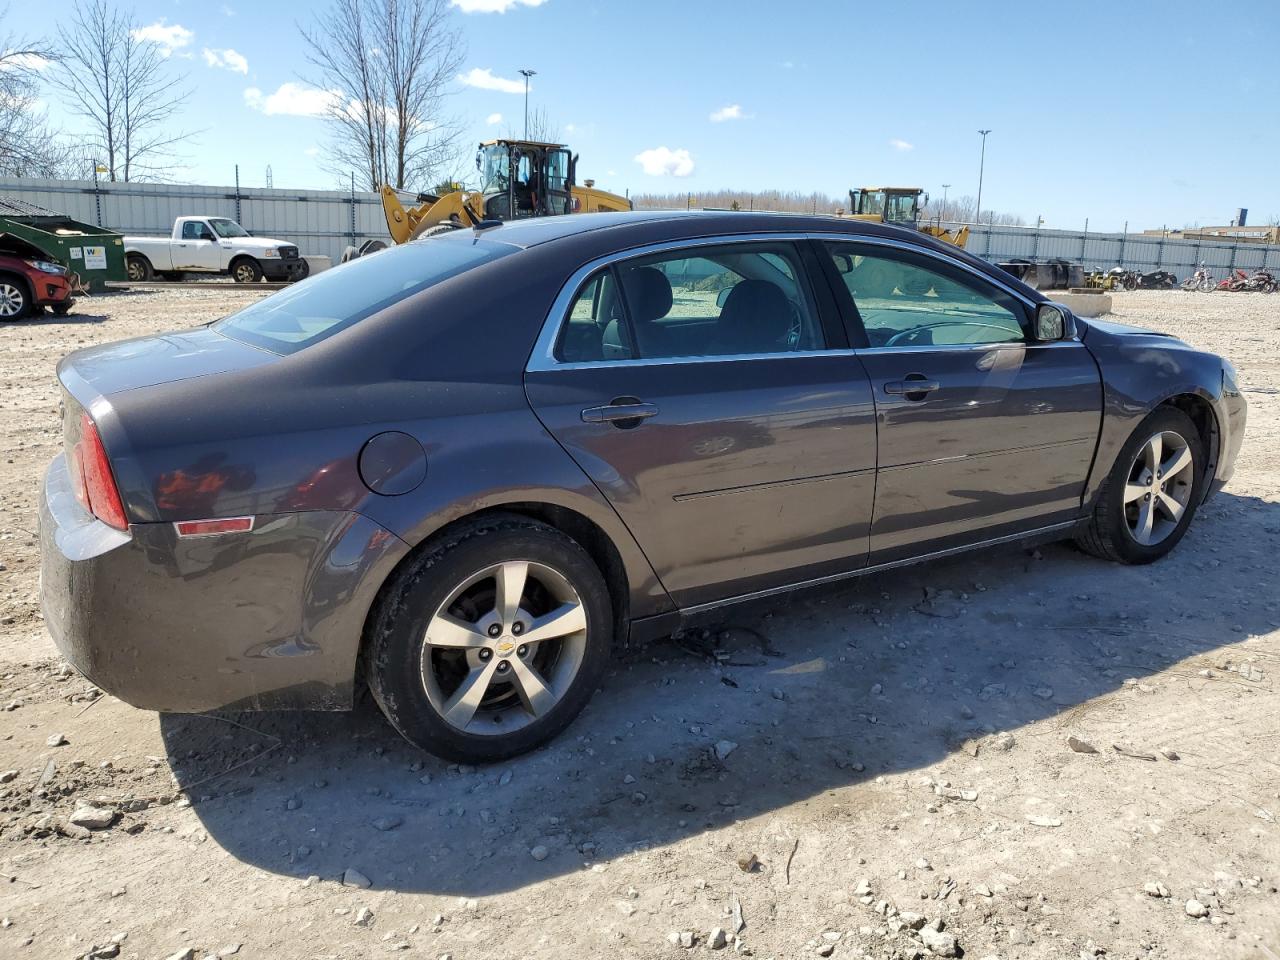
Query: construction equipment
900 206
519 179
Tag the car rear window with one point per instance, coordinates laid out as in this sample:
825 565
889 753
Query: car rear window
319 307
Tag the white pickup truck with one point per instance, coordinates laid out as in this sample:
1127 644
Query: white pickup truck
212 245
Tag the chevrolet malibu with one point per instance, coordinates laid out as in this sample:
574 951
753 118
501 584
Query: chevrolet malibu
471 470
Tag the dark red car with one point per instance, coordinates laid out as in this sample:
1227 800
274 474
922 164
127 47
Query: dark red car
28 282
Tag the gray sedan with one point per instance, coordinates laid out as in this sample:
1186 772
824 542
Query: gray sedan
472 469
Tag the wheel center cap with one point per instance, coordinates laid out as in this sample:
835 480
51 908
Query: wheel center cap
505 647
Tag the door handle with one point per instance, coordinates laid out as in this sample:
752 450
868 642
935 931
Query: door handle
617 412
914 387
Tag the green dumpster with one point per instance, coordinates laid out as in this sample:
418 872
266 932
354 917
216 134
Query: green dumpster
96 254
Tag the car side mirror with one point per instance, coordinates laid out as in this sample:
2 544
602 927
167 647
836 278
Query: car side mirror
1054 322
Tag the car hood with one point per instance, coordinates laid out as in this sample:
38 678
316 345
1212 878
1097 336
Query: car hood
164 358
254 243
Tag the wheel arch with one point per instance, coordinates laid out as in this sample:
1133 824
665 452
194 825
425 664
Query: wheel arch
584 531
23 281
1200 410
239 258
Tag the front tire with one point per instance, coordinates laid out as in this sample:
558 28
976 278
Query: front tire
1150 497
491 641
246 271
15 303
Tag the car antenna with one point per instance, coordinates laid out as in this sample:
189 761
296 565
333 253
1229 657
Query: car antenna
486 225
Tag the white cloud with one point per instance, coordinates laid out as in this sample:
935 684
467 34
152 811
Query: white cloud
901 144
485 80
227 59
226 11
731 112
312 151
493 6
24 61
293 100
570 128
493 119
661 162
168 37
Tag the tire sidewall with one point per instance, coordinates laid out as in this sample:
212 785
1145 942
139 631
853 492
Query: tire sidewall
399 628
25 307
1162 420
253 266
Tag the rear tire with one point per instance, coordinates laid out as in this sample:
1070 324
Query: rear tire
246 270
1115 529
444 656
138 268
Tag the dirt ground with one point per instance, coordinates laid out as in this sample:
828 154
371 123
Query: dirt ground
892 752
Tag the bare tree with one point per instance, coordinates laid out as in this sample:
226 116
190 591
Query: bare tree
123 88
388 66
542 128
29 146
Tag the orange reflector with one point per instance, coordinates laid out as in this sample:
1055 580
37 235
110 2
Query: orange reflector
209 528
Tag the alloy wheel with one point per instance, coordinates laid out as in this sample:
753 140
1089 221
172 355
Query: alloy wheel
244 273
1158 491
504 648
134 269
12 300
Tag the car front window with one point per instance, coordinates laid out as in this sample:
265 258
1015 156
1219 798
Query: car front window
315 309
904 302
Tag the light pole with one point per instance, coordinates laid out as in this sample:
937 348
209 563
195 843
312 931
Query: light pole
943 209
977 215
526 74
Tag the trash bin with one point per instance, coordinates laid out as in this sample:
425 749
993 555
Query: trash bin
95 254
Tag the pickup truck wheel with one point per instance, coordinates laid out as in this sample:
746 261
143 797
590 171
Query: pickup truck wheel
246 271
138 268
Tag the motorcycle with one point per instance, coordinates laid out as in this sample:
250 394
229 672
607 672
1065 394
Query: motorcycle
1262 281
1234 283
1201 280
1157 280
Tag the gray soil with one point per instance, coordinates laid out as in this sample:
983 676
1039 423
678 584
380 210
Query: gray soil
891 753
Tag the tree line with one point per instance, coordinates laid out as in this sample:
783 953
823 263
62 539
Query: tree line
385 68
961 209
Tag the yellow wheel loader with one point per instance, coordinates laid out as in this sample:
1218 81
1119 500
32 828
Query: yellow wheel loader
900 206
519 179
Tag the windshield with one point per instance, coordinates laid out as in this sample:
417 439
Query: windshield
871 201
495 168
901 208
317 308
227 228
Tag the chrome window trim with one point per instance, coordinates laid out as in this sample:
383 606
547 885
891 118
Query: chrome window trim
543 358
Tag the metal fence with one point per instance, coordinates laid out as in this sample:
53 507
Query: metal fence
322 222
327 221
1101 251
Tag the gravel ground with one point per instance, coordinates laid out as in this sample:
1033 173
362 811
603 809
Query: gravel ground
817 780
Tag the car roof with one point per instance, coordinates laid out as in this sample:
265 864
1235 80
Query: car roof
627 226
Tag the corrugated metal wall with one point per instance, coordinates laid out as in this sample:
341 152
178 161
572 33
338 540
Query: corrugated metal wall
320 222
327 221
1101 251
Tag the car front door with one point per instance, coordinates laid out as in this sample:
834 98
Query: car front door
709 393
198 248
983 431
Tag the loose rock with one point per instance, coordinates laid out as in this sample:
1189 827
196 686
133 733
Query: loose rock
1196 909
939 943
354 878
93 818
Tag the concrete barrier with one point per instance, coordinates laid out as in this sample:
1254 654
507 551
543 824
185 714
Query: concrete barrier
1081 304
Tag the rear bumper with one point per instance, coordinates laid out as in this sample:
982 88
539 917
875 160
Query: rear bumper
266 620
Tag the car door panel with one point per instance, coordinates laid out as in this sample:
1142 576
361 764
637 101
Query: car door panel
975 439
1006 439
751 473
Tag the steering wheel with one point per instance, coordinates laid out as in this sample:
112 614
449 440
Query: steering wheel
905 334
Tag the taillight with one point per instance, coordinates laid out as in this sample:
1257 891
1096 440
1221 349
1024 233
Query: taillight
91 477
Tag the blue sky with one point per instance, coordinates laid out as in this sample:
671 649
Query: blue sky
1141 112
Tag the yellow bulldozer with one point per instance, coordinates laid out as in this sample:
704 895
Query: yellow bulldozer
900 206
518 179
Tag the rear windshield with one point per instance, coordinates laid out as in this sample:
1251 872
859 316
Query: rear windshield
319 307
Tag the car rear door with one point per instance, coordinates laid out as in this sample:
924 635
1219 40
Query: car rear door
708 390
983 432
